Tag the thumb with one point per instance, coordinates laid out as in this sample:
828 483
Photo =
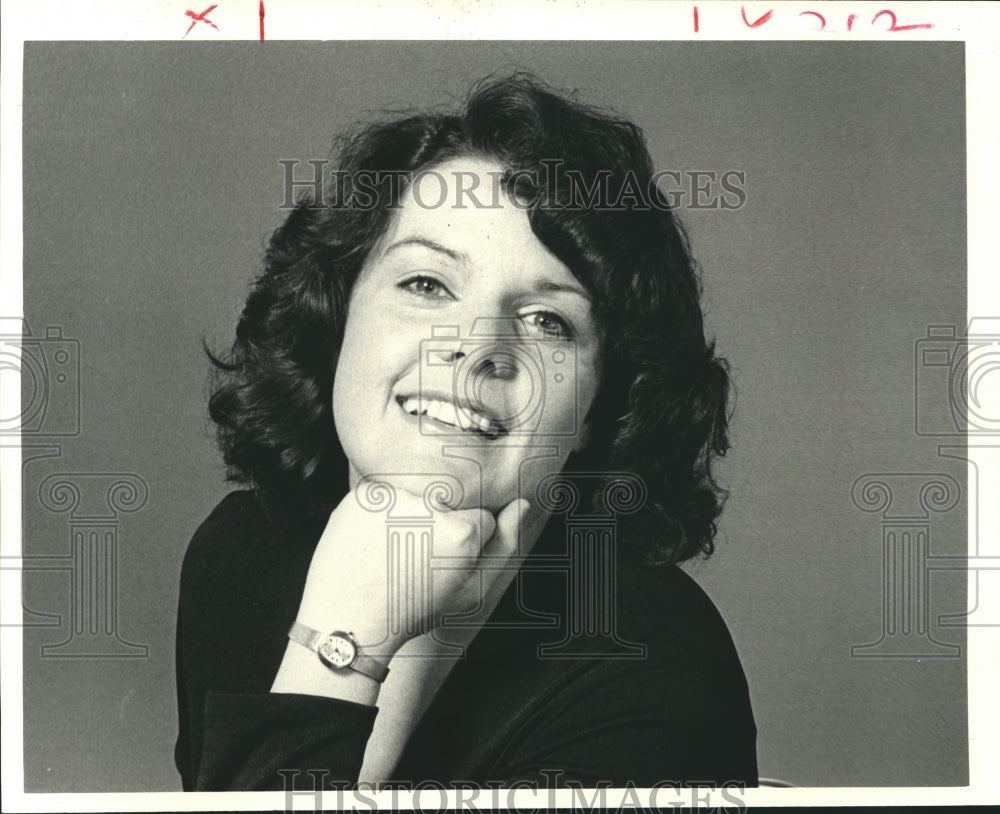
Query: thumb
504 540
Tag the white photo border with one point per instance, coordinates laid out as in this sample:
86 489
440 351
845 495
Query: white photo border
975 24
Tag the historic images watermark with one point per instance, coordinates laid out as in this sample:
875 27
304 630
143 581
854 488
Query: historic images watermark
314 790
956 393
48 416
665 190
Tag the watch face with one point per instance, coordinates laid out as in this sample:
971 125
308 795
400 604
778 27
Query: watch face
337 650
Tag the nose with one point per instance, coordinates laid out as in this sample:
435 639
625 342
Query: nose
498 364
489 359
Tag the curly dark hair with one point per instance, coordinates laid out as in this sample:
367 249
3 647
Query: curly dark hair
661 411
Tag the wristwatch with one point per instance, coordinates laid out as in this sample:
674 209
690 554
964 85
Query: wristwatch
338 650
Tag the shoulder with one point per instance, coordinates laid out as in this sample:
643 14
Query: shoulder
643 624
239 554
666 605
643 684
240 584
238 515
240 531
237 528
668 596
688 684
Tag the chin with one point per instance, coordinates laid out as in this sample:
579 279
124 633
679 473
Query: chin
467 477
458 483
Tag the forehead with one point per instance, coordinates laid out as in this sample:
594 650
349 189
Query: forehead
461 205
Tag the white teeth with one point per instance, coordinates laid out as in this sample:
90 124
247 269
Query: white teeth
432 408
447 413
466 419
480 422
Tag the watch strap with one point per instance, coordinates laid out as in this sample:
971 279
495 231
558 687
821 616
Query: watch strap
371 667
304 635
364 664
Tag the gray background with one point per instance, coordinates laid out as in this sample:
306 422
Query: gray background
151 180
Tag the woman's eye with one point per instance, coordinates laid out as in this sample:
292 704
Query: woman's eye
424 286
548 325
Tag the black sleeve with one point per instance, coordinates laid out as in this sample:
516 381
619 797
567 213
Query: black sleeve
240 586
244 741
250 740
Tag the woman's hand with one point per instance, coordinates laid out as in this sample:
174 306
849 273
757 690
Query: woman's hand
387 570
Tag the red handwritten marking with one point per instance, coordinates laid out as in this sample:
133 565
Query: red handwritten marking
200 18
696 29
850 21
822 19
893 26
261 13
759 21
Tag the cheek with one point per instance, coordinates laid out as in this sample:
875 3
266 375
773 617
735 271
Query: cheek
376 352
570 393
589 374
346 375
352 378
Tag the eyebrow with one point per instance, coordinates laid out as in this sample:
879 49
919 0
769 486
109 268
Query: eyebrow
542 286
427 244
545 286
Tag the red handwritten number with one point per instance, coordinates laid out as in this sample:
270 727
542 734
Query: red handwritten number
822 19
850 21
200 18
260 11
695 19
894 26
759 21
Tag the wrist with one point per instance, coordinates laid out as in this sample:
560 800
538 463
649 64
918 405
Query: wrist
370 634
302 673
339 650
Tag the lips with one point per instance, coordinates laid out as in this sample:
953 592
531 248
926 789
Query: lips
457 414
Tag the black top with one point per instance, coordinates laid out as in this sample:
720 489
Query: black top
663 699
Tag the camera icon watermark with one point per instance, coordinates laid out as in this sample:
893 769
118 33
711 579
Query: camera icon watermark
590 617
585 626
957 380
409 546
49 368
95 503
906 502
957 399
495 383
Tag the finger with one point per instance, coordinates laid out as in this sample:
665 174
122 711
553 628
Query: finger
481 523
503 543
488 527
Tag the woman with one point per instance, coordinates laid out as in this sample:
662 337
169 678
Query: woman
473 399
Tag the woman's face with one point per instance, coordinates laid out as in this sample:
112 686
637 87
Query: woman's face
470 351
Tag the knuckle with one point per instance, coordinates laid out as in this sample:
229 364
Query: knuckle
460 524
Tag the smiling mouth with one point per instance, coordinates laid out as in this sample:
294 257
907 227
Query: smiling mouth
460 417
